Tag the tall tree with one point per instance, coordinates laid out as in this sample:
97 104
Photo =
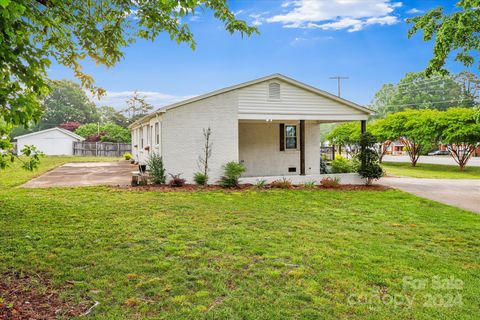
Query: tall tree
417 91
36 32
137 106
110 115
458 31
67 102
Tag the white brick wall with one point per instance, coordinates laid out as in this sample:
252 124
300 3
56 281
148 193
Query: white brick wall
183 140
260 149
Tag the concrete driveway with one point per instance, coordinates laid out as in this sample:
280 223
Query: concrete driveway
464 194
85 174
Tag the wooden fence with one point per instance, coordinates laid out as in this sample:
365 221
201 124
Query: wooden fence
101 149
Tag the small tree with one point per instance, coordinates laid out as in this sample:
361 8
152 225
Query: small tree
416 129
347 135
460 131
370 168
383 142
157 170
203 158
70 125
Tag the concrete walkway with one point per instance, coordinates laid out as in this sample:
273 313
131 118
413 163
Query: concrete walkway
464 194
85 174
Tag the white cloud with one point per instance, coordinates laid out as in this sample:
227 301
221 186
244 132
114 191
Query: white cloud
305 41
353 15
117 99
258 18
414 11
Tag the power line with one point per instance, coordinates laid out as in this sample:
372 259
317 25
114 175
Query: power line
425 102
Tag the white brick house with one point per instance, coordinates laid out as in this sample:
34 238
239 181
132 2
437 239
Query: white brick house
271 125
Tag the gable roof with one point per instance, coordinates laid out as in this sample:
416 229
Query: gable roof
64 131
276 76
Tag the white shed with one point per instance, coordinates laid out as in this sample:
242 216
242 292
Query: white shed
54 141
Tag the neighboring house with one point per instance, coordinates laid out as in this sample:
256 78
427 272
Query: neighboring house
271 125
54 141
396 148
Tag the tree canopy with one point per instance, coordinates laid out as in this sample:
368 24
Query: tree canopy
35 33
67 102
417 91
459 129
453 32
417 129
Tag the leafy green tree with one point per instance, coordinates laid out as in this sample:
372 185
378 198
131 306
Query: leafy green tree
108 132
67 102
35 33
460 131
417 91
457 32
110 115
369 168
347 135
417 129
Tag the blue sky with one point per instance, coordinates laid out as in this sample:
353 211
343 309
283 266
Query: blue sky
309 40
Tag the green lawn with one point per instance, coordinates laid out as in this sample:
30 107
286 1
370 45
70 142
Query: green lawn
15 175
433 171
242 255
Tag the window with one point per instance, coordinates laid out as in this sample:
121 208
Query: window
148 136
151 136
274 90
290 137
157 134
141 137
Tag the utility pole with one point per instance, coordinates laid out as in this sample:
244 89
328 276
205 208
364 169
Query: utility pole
339 79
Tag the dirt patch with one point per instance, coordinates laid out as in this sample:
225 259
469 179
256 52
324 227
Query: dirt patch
249 187
34 297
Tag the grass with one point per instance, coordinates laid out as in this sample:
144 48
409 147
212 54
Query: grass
15 175
242 255
432 171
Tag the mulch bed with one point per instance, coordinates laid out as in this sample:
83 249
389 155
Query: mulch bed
25 297
250 187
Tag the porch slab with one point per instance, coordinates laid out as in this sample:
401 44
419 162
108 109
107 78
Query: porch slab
345 178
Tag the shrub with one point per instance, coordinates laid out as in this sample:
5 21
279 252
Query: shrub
260 184
283 183
309 185
107 132
343 165
70 125
127 156
323 165
369 168
176 181
200 178
232 172
330 182
157 170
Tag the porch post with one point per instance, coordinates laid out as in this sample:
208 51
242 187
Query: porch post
363 130
302 147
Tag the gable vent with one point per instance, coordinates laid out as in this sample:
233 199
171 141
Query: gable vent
274 90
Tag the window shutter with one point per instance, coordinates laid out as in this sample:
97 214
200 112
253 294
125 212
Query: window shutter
282 137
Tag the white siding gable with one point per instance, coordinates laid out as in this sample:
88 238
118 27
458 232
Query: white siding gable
254 102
